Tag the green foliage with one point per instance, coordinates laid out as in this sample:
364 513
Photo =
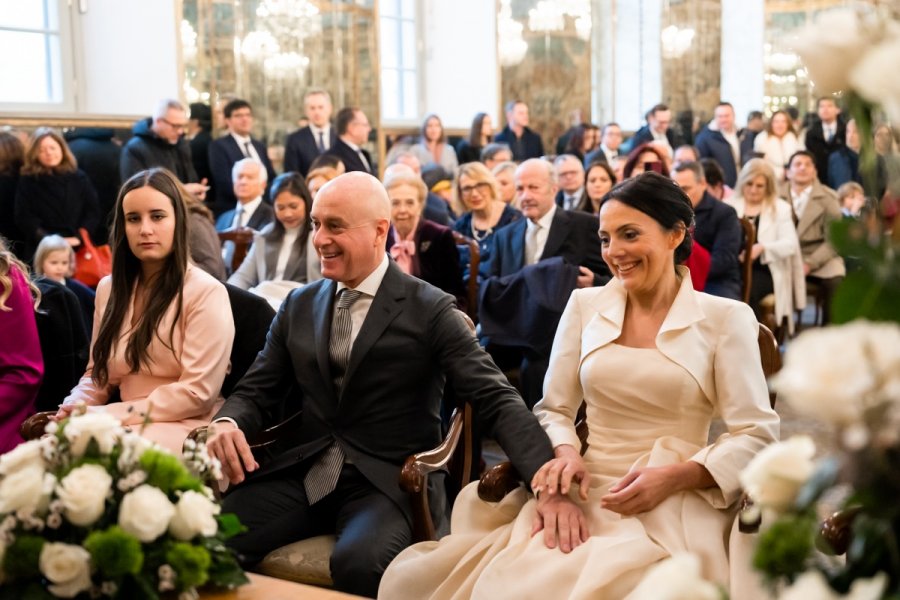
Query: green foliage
166 472
873 290
783 548
224 571
229 526
114 552
190 562
22 557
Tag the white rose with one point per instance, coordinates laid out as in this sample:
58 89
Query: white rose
676 578
83 493
868 77
777 473
812 584
833 373
67 567
133 446
830 48
29 454
25 488
99 425
145 513
194 515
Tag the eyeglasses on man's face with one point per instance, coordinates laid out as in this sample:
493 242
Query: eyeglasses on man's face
176 126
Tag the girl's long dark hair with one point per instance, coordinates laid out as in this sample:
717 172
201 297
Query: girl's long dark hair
167 287
293 183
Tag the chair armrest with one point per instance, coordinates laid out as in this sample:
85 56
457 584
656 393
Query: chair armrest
33 427
498 481
836 531
414 477
749 515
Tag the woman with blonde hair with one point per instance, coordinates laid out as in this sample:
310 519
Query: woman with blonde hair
319 176
777 143
21 364
476 196
53 194
777 262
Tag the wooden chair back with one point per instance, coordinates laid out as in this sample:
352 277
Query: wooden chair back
747 264
474 263
242 238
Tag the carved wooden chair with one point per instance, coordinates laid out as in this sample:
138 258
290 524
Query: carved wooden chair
241 238
474 263
747 264
500 480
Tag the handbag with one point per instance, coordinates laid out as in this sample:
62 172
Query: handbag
92 263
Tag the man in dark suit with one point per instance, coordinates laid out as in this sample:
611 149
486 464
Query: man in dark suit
353 131
717 228
656 130
367 351
306 144
235 145
608 150
719 141
570 172
523 142
547 231
248 183
826 136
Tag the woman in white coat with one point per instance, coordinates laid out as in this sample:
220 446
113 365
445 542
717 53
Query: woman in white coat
777 143
777 262
282 256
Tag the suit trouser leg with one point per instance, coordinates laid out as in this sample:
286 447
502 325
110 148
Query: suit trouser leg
371 530
276 513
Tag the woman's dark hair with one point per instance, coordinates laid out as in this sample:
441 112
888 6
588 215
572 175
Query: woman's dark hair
635 155
584 203
576 141
475 130
661 199
424 138
713 172
292 183
12 154
167 287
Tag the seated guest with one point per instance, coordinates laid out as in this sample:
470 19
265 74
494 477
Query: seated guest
777 263
777 143
206 249
476 196
608 150
248 180
12 155
717 229
852 199
432 146
715 179
843 163
582 141
469 149
21 365
436 208
815 206
570 172
505 174
319 176
53 195
163 328
599 179
685 153
546 232
421 247
365 353
282 257
54 259
646 157
654 362
495 153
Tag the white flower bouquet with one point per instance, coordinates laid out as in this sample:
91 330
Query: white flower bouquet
90 510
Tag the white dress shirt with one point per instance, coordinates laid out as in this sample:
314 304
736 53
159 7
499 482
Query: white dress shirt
368 287
246 145
801 199
243 212
542 234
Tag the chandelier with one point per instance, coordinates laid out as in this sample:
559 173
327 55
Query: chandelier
277 43
676 41
511 47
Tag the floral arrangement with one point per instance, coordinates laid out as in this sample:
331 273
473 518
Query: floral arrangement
91 510
847 376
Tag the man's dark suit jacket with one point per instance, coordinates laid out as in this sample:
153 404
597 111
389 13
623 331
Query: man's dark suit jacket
643 135
301 148
718 229
572 235
348 156
712 144
523 148
412 341
262 216
223 153
821 149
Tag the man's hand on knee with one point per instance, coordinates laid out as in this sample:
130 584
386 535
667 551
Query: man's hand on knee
227 443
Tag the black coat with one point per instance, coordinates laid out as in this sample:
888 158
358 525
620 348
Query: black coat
301 149
466 152
351 160
9 229
523 148
58 204
146 150
223 154
718 229
98 156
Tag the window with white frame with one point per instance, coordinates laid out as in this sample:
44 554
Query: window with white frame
399 61
34 67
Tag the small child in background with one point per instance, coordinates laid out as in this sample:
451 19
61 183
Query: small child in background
54 259
852 199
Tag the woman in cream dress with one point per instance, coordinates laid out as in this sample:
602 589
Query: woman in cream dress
163 327
655 361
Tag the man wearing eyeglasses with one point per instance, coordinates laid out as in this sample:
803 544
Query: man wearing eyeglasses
353 132
159 142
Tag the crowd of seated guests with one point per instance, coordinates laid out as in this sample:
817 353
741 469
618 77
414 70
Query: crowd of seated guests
161 327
